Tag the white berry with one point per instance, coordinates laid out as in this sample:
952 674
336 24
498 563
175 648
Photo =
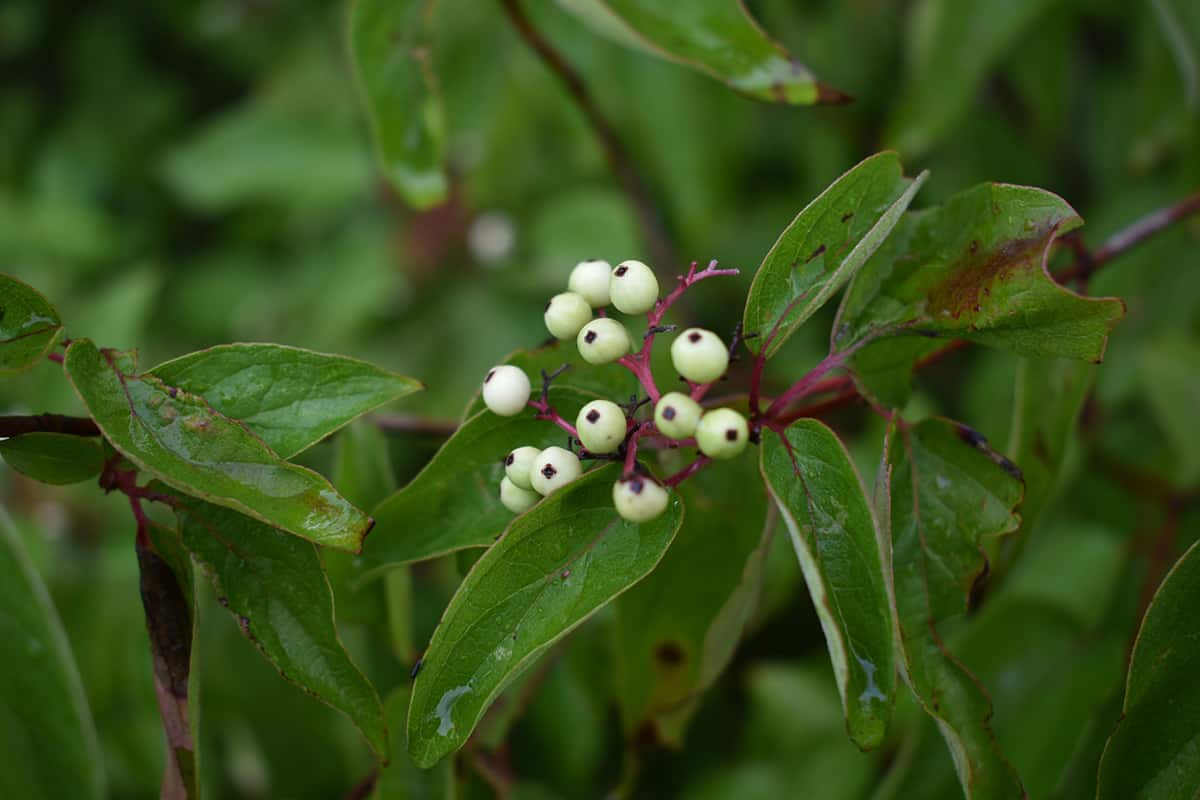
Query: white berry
553 469
603 341
633 288
639 499
590 279
565 314
519 463
516 499
676 415
722 433
601 426
506 390
699 355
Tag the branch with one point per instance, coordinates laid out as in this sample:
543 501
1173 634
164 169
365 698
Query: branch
1088 262
627 175
47 423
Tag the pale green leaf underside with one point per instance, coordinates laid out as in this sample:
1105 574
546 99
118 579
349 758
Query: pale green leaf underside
178 438
556 565
834 532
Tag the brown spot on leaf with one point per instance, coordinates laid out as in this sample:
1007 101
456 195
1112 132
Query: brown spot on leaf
849 215
670 654
815 253
968 280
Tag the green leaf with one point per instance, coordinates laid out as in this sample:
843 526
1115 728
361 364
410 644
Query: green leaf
48 746
818 492
177 437
599 379
400 779
948 491
975 268
672 645
275 587
391 50
454 503
717 37
1171 375
556 565
167 585
291 398
825 245
29 326
54 457
953 47
1154 751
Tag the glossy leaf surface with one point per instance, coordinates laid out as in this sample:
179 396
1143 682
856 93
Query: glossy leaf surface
53 457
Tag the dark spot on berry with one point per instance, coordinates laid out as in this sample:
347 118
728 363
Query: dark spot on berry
669 413
731 434
637 485
593 415
670 654
508 461
549 471
693 337
589 337
491 372
621 271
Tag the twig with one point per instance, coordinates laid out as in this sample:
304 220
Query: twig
627 175
47 423
1087 262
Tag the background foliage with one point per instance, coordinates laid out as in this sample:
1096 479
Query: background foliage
183 174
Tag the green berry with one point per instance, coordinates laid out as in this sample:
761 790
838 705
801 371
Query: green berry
553 469
518 464
639 498
516 499
676 415
590 279
506 390
633 288
699 355
565 314
722 433
603 341
601 426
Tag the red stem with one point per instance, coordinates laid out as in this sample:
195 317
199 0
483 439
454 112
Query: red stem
691 469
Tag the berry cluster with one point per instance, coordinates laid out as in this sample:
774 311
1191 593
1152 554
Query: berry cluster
603 429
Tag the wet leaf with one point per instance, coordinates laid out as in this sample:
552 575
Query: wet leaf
177 437
454 503
1153 752
948 491
275 587
49 748
974 268
556 565
843 555
672 645
29 325
717 37
390 47
825 244
54 457
291 398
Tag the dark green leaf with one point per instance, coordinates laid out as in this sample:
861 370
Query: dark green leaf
177 437
291 398
454 503
400 779
603 380
825 245
952 49
48 745
672 645
1171 375
53 457
975 268
275 587
1154 751
29 325
834 532
948 491
389 43
556 565
717 37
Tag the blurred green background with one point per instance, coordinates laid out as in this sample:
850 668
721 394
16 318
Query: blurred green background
179 174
